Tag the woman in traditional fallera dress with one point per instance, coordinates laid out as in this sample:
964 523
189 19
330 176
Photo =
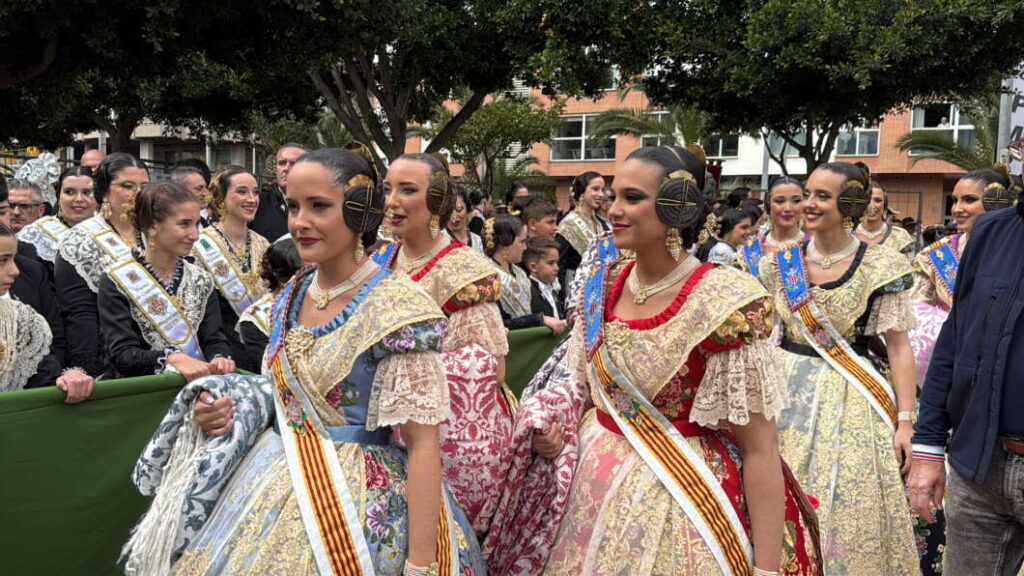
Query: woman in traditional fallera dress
232 254
873 229
458 225
785 210
89 249
579 228
846 420
75 203
723 236
25 338
474 441
353 356
280 262
157 311
670 377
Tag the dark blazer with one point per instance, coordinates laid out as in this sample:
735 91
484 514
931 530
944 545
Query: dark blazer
271 219
130 354
32 287
977 348
540 304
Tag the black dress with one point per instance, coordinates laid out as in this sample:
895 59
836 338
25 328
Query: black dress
32 287
271 219
135 348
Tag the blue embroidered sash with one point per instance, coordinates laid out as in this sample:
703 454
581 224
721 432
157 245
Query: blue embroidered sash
752 253
944 262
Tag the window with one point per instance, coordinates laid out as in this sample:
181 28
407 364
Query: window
613 79
776 143
571 142
664 119
716 146
858 141
944 118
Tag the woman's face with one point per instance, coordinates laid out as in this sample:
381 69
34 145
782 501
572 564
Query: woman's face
635 223
821 208
967 204
458 220
76 199
243 197
125 185
739 233
786 204
315 219
876 207
593 194
515 251
177 232
8 269
405 188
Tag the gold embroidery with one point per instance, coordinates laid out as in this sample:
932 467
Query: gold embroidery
457 269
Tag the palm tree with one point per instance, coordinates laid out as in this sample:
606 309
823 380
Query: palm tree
939 144
677 125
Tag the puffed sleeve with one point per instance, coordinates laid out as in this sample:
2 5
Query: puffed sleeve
891 309
741 376
130 354
409 384
474 318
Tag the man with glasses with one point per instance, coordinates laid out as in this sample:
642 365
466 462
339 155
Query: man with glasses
271 219
26 203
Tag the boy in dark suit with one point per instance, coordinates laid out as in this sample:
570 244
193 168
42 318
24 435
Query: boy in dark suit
541 259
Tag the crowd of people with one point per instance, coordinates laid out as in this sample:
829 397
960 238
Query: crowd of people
736 391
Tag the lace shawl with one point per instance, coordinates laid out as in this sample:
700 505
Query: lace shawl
24 340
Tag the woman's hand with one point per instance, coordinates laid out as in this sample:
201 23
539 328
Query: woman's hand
188 366
901 445
549 443
557 326
77 384
214 416
222 365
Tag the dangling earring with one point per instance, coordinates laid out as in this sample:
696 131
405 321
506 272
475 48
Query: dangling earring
674 243
435 226
848 224
106 211
504 254
360 249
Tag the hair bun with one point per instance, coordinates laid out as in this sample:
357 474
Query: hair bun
864 169
698 151
1003 169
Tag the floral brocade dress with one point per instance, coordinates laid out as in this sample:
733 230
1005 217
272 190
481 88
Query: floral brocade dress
389 336
840 449
475 439
932 296
706 365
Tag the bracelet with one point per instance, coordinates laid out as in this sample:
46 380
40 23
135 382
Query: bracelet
906 416
413 570
70 368
760 572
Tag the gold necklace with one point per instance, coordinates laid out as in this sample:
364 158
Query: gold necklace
771 242
871 235
642 292
407 265
827 260
321 297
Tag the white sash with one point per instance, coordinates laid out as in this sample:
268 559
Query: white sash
225 275
156 305
45 234
107 239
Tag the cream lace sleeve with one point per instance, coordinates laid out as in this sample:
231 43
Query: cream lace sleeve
924 289
479 324
408 387
891 311
738 382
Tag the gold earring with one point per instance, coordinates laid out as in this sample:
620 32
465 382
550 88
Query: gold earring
504 253
360 249
106 211
848 224
674 243
435 226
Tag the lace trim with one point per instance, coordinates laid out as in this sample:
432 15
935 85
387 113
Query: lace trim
480 324
408 387
924 289
193 290
739 382
892 311
80 250
25 341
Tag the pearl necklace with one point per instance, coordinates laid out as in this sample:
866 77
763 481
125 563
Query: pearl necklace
779 245
827 260
871 235
407 265
321 297
641 292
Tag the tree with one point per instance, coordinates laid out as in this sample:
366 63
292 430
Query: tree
813 67
678 125
940 145
383 65
499 129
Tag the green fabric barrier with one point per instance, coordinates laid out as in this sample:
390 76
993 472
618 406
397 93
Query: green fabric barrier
68 503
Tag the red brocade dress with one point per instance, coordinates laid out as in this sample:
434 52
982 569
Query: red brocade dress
705 364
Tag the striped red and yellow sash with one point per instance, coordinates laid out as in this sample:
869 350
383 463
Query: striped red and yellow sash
690 475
